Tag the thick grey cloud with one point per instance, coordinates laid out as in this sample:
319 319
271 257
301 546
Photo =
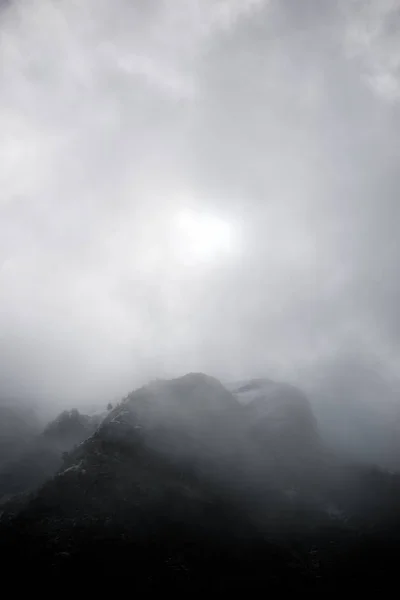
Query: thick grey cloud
280 118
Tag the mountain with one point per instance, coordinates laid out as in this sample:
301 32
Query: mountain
187 485
41 456
18 426
279 412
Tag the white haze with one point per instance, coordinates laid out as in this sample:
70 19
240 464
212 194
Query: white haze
273 124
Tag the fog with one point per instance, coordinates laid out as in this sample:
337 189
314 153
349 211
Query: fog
200 186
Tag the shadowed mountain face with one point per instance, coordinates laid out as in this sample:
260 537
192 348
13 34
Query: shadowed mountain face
282 435
193 420
196 487
279 411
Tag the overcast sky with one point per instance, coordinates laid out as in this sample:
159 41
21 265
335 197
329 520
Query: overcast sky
275 122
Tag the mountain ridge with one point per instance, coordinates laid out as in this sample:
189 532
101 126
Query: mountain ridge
188 482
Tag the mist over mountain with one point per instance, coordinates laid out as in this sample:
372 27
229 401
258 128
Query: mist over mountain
39 455
18 425
194 187
201 488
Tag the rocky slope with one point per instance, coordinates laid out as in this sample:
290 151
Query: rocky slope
189 485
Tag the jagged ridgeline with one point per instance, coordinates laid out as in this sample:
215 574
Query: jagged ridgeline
196 485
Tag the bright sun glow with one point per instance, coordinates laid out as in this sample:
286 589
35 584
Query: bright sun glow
202 237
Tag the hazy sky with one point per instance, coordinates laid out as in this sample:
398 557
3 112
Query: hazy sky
196 185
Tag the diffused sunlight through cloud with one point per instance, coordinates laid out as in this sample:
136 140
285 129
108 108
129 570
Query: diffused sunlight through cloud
202 237
193 185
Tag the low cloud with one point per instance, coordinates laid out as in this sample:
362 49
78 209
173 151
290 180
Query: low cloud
279 120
